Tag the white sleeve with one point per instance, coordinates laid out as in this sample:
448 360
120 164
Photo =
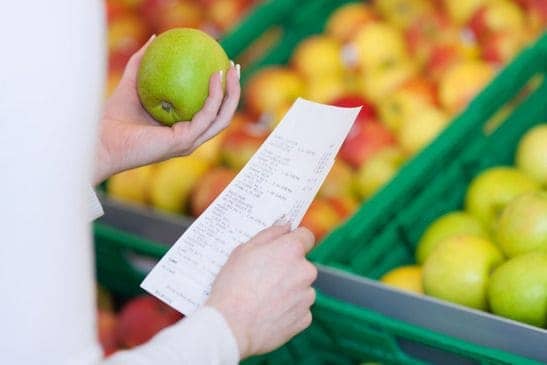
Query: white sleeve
203 338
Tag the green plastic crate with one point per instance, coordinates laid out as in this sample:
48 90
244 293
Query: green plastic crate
346 334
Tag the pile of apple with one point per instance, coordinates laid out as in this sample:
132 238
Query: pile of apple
412 64
132 22
138 320
493 255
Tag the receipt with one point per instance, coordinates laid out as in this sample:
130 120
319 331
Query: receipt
279 182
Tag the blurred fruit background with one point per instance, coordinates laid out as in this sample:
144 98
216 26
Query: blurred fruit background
412 64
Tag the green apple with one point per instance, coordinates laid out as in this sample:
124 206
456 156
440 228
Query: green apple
531 154
173 77
378 170
518 289
446 226
493 189
458 270
522 226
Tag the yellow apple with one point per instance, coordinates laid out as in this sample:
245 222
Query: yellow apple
326 88
402 13
408 278
380 82
318 56
173 182
131 185
461 11
418 129
379 44
346 20
459 85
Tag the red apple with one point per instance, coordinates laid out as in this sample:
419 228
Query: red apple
114 9
209 188
368 111
426 32
364 139
142 318
106 328
442 57
537 11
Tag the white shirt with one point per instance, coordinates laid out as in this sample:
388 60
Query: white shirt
51 75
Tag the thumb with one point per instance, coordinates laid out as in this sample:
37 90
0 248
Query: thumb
270 234
132 66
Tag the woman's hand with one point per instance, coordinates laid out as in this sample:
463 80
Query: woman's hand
264 291
129 137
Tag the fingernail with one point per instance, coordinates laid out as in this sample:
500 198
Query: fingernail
221 73
232 63
238 69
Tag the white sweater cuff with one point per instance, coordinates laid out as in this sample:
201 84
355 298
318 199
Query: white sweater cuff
203 338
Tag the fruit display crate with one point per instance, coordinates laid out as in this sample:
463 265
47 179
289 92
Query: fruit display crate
385 230
355 319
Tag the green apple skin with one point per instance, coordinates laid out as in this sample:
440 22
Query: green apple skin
173 77
518 289
531 154
446 226
522 226
459 268
493 189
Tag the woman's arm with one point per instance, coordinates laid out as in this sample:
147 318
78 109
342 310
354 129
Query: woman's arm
260 299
